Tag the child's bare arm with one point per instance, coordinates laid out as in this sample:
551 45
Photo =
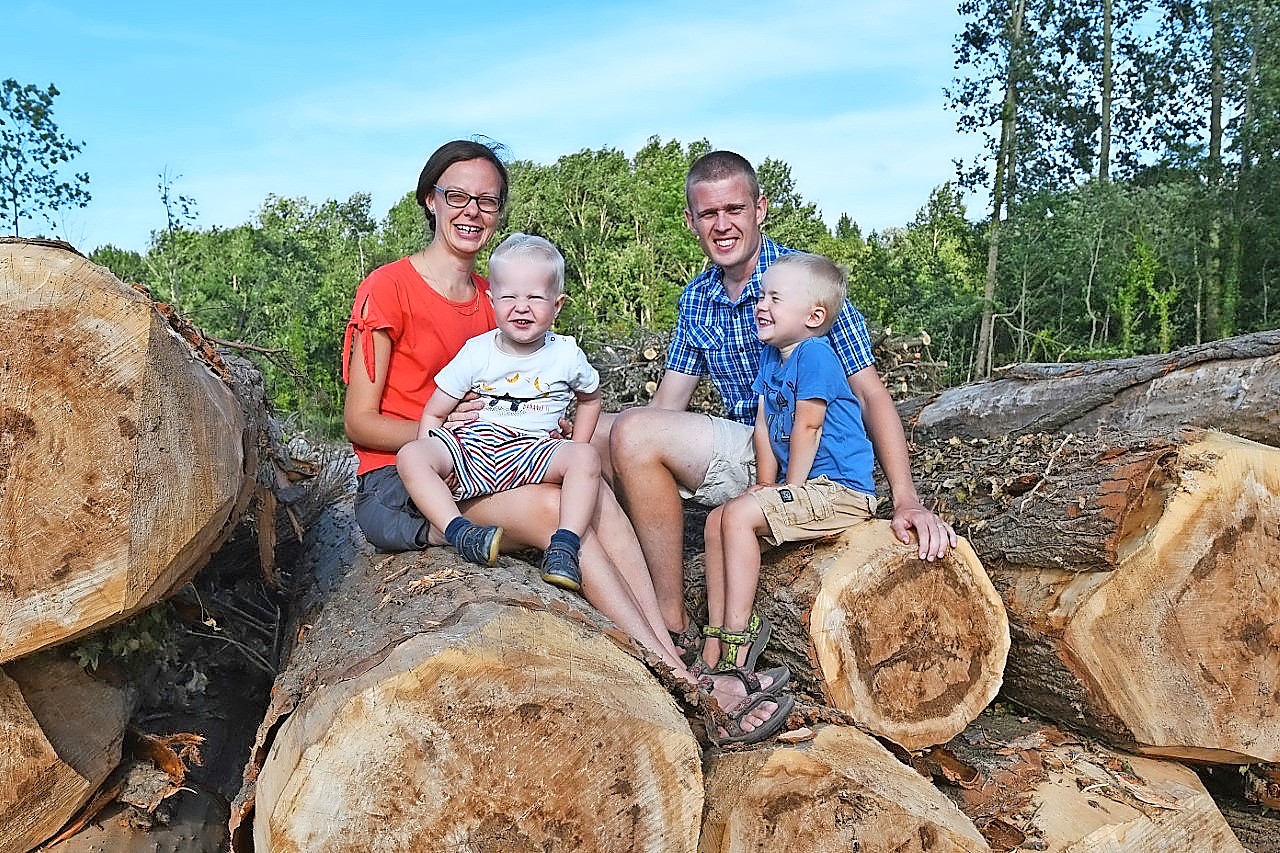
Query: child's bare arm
588 415
806 430
766 461
438 408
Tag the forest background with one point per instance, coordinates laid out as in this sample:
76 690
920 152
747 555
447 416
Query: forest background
1131 167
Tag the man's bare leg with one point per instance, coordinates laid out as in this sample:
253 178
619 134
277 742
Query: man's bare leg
655 451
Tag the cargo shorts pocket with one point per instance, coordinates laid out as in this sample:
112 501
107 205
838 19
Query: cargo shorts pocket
812 501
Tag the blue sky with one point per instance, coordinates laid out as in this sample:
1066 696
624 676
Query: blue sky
240 100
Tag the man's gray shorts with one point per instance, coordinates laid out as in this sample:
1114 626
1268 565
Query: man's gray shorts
733 464
387 514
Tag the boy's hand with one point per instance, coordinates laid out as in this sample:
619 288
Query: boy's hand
933 534
467 410
565 431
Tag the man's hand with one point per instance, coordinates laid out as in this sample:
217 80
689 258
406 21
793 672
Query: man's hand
933 534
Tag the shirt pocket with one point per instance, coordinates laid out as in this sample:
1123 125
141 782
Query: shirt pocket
707 338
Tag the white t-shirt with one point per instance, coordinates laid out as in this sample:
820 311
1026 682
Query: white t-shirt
529 392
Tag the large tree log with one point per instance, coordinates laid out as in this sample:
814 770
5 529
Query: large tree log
434 704
840 791
912 650
125 453
1232 385
1142 581
60 737
1029 786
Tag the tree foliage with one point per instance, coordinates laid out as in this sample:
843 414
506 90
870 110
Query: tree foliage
32 152
1174 241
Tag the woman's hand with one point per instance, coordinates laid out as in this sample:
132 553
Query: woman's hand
467 410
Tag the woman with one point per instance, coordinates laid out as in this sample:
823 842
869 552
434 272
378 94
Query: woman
409 319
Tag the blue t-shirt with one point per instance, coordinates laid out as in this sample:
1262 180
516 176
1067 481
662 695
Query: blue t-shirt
813 372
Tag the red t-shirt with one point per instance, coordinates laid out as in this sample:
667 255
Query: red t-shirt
426 332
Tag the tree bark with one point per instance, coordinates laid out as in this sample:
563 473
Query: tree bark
1230 384
61 737
1027 785
433 704
840 791
1141 579
128 448
912 650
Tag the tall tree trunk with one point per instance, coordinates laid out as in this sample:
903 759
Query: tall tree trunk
1216 325
1104 144
1005 161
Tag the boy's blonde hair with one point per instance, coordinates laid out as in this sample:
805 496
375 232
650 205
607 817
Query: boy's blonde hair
825 283
530 246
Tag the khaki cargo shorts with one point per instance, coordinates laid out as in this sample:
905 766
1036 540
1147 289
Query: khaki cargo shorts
813 510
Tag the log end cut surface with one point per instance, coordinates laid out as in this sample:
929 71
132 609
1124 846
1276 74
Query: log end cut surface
121 453
60 736
1183 641
506 730
841 791
910 648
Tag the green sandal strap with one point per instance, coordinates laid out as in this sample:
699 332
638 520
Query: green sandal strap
731 642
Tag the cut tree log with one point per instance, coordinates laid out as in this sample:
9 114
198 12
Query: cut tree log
1029 786
127 449
911 649
840 791
432 704
1231 384
60 737
1141 578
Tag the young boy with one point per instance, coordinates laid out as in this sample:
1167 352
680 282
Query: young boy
526 375
814 459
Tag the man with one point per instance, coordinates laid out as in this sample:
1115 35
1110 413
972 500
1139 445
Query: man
661 453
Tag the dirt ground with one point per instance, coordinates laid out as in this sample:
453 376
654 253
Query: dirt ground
213 679
1257 827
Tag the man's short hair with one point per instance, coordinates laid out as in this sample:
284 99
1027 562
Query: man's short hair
825 283
718 165
530 246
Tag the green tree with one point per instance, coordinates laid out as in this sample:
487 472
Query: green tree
126 264
32 151
791 220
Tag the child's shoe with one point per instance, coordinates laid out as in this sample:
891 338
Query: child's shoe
476 543
560 562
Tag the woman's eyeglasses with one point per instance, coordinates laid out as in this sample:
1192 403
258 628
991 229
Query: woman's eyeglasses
459 199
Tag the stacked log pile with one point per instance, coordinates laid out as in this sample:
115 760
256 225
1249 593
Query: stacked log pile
476 694
425 703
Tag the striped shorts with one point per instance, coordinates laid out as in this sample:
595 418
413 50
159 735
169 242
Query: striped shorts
489 457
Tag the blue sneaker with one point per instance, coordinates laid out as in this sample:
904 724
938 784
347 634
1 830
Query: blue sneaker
560 568
478 543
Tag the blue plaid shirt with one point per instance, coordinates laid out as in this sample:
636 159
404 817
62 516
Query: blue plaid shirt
716 337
